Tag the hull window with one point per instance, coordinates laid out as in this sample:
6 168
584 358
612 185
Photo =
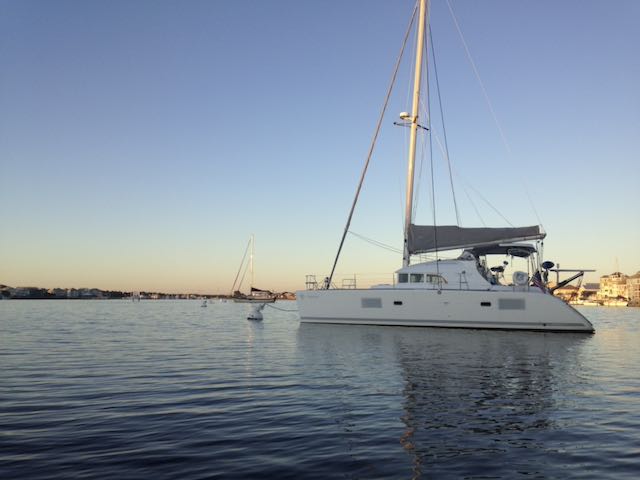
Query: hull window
511 303
371 303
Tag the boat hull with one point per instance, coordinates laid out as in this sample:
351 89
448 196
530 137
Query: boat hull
505 310
254 300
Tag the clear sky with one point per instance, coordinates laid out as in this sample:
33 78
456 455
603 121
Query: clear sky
142 142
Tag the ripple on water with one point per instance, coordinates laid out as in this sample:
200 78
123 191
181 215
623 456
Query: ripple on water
166 389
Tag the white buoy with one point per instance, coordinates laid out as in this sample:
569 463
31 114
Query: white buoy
256 312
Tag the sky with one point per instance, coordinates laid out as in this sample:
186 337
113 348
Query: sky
143 142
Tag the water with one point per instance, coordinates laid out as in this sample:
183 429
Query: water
167 389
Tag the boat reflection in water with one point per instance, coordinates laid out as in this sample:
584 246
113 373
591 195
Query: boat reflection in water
457 402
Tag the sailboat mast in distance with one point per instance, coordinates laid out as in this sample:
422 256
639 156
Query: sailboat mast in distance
255 295
251 259
414 131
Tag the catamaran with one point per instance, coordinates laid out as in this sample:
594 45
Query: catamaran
463 292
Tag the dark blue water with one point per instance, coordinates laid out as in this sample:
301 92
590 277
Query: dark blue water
167 389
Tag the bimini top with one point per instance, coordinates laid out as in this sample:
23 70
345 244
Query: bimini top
429 238
522 250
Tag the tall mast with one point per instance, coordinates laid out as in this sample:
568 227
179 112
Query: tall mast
414 130
251 262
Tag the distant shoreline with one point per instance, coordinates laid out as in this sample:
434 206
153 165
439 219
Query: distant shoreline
36 293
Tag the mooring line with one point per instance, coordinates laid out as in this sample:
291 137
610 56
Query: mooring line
281 309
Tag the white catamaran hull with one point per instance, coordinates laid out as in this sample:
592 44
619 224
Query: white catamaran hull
512 310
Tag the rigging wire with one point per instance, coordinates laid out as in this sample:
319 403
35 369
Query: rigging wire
431 163
477 74
441 147
535 211
491 109
376 242
485 200
244 274
281 309
442 150
473 204
444 130
373 143
246 250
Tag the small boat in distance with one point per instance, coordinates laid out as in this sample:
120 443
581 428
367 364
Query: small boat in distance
255 295
463 292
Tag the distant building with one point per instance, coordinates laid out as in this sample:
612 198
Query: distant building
589 291
5 291
29 293
567 293
633 290
96 293
21 292
58 292
613 286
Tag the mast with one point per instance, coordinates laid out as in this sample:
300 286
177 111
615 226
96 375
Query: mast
414 130
251 264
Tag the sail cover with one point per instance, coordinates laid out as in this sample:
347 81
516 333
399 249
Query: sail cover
427 238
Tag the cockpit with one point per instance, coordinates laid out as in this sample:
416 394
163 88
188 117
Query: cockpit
494 272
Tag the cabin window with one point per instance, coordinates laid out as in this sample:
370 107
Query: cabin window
421 278
435 279
417 277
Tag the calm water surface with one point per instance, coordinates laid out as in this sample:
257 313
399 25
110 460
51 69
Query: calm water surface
167 389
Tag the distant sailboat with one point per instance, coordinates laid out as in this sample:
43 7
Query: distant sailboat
255 295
